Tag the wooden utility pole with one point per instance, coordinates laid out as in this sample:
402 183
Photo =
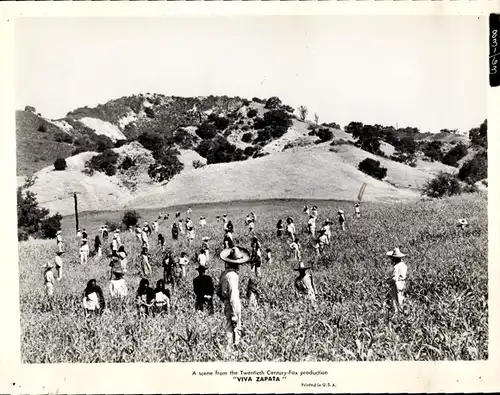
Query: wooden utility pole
76 211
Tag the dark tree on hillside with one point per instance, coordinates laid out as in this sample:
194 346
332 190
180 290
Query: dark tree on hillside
407 145
372 168
455 154
479 136
354 128
166 165
130 218
273 103
151 140
206 130
444 184
475 169
60 164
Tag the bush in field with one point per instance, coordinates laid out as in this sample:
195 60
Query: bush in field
62 137
432 149
252 113
166 166
112 225
185 139
42 128
127 163
60 164
50 225
273 103
257 100
104 163
372 168
149 112
324 134
103 143
474 170
249 151
479 136
120 143
444 184
406 145
130 218
206 131
455 154
151 140
219 150
406 158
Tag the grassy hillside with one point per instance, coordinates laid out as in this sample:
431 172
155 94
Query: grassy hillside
446 309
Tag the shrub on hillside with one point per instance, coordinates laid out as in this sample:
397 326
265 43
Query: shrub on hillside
105 163
444 184
245 102
62 137
333 125
406 145
120 143
455 154
370 145
184 139
273 103
60 164
151 140
112 225
263 135
149 112
221 123
432 150
166 166
406 158
249 151
103 143
50 225
252 113
257 100
324 134
247 137
130 218
219 150
127 163
198 164
372 168
206 131
42 128
474 170
479 136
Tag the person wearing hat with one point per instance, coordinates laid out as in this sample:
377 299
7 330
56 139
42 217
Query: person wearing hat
327 229
123 257
357 211
294 246
145 265
306 210
314 212
84 234
48 277
228 239
84 252
397 279
279 228
162 298
228 291
189 211
114 246
256 256
189 231
59 241
180 226
462 223
203 287
202 258
341 219
93 299
59 263
304 284
183 262
145 239
290 228
206 247
117 284
177 214
251 225
203 221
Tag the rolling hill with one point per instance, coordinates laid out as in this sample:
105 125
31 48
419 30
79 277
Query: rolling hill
272 154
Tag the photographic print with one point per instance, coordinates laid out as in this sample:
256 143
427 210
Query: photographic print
297 188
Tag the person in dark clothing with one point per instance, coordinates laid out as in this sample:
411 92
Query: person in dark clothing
204 290
145 297
175 231
161 242
168 264
84 234
105 234
93 299
230 227
228 239
279 228
97 246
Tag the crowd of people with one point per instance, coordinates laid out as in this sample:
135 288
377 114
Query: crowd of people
154 301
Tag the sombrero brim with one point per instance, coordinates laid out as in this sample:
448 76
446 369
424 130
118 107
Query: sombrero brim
391 254
224 255
302 268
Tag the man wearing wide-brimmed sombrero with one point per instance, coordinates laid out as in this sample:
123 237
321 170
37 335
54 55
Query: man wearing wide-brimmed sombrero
397 280
228 291
304 286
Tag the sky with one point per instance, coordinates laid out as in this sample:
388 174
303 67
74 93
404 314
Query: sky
425 71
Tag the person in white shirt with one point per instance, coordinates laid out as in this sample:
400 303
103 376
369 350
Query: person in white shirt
48 280
203 221
183 262
155 226
341 219
311 226
117 235
294 246
314 212
290 228
357 210
397 279
84 252
144 239
59 263
228 292
327 229
202 258
114 246
462 223
59 241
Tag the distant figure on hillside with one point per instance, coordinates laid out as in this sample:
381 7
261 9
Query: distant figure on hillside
162 298
327 229
145 297
341 219
294 246
160 215
180 226
114 246
59 263
105 234
253 216
290 228
149 229
229 226
462 223
203 287
357 211
123 257
48 282
84 234
304 284
168 265
311 226
314 212
190 231
175 231
165 217
161 242
156 227
203 221
84 252
183 262
397 279
279 228
253 293
218 218
59 241
224 221
256 256
247 219
145 264
177 214
189 211
93 299
269 257
117 237
228 292
98 246
117 284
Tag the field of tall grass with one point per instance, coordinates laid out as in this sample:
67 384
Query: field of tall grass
446 312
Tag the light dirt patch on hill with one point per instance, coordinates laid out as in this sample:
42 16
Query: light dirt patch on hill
104 128
387 148
61 124
187 157
126 120
298 130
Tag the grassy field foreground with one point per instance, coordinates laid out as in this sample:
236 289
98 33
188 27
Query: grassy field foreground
447 292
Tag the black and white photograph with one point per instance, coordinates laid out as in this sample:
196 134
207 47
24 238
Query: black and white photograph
280 188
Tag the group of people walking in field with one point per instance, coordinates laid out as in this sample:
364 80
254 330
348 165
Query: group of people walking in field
158 300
